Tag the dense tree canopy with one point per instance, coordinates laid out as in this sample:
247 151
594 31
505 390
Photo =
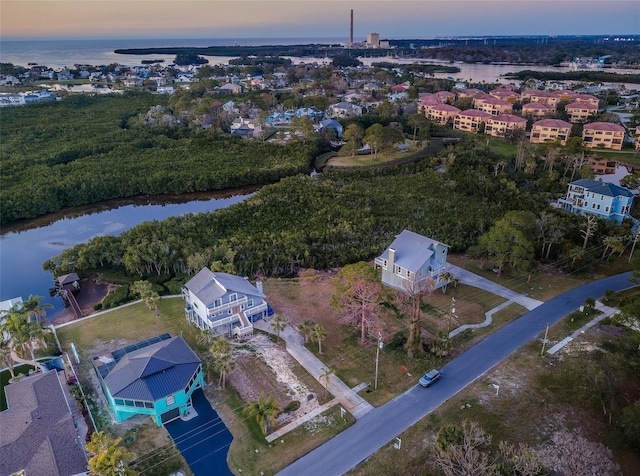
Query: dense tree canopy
96 150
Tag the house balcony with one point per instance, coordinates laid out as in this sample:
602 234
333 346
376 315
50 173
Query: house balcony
245 328
227 305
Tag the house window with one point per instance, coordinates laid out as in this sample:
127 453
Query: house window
171 400
250 303
217 302
606 209
148 405
233 297
119 401
408 274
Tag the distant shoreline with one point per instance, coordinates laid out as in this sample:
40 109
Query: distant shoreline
265 50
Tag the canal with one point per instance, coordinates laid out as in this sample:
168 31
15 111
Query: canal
26 245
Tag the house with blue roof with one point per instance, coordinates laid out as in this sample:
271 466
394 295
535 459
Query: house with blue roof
410 259
156 377
602 199
223 303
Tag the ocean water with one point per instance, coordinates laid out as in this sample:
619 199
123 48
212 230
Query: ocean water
58 54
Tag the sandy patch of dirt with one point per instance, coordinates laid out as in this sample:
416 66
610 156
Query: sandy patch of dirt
264 367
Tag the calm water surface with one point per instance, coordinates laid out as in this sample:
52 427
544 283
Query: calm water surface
22 250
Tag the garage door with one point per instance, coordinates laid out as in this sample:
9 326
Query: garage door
170 415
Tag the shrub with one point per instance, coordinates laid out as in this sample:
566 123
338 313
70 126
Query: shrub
292 406
174 286
116 297
398 341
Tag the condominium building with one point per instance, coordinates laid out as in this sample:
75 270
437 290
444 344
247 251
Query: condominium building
537 110
580 111
550 130
502 124
495 106
605 135
441 113
470 120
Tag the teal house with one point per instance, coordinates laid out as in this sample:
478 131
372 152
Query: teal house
156 377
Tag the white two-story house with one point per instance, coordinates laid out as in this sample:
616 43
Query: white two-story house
602 199
223 303
410 260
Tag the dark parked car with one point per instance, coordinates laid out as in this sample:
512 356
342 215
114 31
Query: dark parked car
430 377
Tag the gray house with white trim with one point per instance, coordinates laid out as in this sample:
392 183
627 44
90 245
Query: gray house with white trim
223 303
412 258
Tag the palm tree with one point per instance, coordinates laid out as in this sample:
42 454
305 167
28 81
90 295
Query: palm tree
278 324
220 348
447 277
224 365
23 333
153 301
108 458
318 334
208 364
265 412
33 309
325 375
5 355
206 338
305 328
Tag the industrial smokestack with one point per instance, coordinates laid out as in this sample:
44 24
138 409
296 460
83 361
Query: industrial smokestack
351 32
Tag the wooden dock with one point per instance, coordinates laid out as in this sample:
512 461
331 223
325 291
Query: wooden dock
69 296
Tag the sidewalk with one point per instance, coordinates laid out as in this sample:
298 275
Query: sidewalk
606 312
347 397
487 321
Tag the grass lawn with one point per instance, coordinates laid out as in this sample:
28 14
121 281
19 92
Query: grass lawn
4 380
132 323
502 147
371 159
538 284
626 156
251 454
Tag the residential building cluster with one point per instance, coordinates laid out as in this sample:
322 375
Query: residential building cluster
499 112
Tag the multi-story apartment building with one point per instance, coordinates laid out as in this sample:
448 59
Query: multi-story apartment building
495 106
550 130
470 120
505 94
500 125
537 110
580 111
588 98
605 135
441 113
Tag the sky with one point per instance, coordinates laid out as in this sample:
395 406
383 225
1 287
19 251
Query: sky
46 19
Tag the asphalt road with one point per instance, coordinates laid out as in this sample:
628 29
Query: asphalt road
380 426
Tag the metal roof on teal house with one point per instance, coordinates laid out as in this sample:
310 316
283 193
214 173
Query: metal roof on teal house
155 377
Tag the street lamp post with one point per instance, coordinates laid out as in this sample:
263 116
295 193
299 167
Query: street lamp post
375 385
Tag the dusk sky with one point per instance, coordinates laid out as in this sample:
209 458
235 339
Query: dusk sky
34 19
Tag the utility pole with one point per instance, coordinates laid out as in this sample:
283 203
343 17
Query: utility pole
635 240
544 341
380 344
